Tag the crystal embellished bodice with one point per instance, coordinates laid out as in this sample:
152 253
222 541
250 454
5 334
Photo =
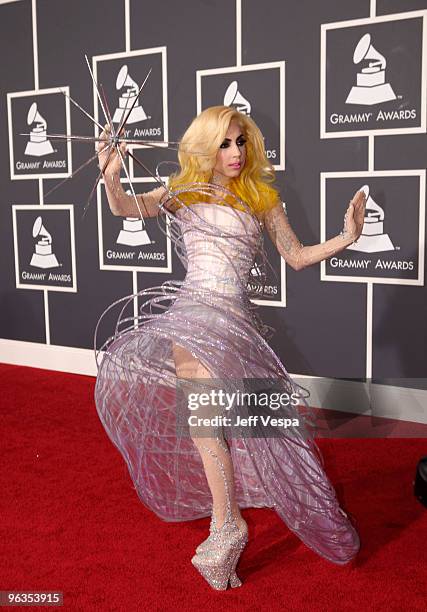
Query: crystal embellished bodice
221 243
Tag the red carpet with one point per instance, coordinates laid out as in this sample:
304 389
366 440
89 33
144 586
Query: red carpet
72 522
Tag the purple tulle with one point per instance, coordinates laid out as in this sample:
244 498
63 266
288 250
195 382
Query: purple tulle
211 315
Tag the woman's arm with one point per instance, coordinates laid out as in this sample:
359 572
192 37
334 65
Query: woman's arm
299 256
121 203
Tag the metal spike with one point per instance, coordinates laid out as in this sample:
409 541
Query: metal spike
97 90
110 121
72 137
86 163
162 183
123 121
131 186
82 109
98 178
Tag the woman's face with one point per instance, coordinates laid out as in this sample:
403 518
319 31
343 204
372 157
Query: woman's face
231 155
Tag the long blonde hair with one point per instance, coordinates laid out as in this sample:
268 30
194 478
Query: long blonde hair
198 149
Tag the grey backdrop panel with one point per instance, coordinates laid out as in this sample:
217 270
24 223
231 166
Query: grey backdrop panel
322 330
22 312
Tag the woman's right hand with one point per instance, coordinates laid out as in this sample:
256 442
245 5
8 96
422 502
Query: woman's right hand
355 215
114 165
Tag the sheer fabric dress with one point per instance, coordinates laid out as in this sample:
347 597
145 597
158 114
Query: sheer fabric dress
210 317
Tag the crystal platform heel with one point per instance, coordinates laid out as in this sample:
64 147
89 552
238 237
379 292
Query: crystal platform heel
218 563
217 557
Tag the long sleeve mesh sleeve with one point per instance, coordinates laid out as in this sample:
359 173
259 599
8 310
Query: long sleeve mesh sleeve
291 249
124 205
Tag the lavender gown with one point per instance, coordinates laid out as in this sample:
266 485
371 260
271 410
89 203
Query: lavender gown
211 315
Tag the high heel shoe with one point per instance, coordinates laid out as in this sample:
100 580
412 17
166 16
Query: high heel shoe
221 553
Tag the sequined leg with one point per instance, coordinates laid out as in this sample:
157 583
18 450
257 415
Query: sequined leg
220 553
218 560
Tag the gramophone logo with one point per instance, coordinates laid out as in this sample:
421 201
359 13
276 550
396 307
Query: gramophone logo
43 257
256 270
373 76
135 85
373 239
33 118
234 98
43 262
38 145
128 96
371 86
268 289
390 248
256 90
133 243
133 232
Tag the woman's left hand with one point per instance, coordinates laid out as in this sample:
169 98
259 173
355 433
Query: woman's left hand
355 215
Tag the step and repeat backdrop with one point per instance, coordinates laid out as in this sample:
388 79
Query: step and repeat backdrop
339 92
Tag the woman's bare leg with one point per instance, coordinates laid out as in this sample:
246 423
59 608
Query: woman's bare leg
214 450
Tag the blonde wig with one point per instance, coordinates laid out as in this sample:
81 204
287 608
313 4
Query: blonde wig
197 157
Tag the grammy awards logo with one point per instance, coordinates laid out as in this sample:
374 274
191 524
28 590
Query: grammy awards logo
127 97
38 145
253 89
371 87
43 256
372 239
258 282
234 98
133 232
256 270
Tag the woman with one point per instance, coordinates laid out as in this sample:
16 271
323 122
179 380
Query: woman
203 334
